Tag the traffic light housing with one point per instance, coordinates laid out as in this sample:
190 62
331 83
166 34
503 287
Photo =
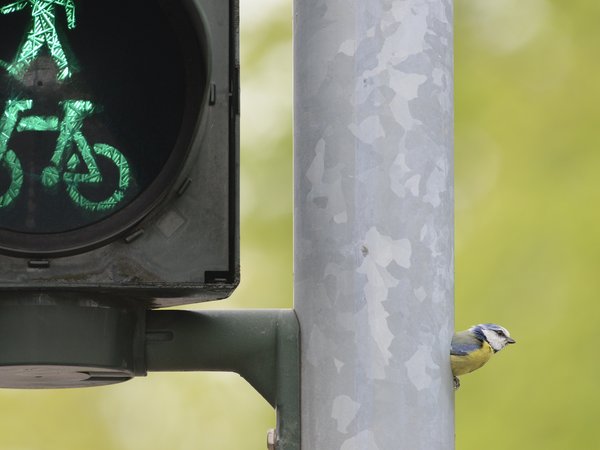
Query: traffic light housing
119 144
118 194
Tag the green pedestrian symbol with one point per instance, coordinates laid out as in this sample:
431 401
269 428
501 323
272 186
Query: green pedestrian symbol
42 33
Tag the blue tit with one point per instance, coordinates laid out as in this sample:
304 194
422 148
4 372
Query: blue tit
472 348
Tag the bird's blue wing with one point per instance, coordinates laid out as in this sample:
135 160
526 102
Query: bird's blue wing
464 343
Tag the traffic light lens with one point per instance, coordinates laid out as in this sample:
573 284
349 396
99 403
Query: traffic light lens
100 102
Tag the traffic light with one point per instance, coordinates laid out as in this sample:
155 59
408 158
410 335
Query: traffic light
119 148
119 144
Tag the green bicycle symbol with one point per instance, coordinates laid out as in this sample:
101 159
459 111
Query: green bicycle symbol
72 154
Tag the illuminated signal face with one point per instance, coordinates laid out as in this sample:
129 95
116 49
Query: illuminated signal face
100 101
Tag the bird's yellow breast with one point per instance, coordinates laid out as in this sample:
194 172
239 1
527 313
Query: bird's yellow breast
472 361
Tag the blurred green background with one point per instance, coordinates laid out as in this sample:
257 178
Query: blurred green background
528 220
527 245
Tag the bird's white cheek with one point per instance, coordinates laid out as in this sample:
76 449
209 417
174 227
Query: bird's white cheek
494 340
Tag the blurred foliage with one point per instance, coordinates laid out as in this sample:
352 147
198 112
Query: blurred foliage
527 246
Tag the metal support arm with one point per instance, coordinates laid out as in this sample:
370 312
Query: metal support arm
260 345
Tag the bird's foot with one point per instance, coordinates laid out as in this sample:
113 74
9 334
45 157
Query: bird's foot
456 383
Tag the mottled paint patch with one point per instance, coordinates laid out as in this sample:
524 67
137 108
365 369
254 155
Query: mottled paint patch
402 179
379 251
418 365
338 364
369 130
406 87
365 440
420 293
437 183
348 47
326 186
344 411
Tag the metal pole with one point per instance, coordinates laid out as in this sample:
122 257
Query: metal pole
374 222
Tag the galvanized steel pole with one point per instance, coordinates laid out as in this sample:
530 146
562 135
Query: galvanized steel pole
374 222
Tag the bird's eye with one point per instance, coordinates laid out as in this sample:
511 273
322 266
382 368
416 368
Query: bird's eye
500 333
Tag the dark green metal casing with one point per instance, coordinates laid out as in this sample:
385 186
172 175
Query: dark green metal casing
179 242
69 340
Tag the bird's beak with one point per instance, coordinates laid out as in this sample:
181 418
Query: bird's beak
510 341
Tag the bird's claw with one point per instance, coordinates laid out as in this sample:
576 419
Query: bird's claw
456 383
